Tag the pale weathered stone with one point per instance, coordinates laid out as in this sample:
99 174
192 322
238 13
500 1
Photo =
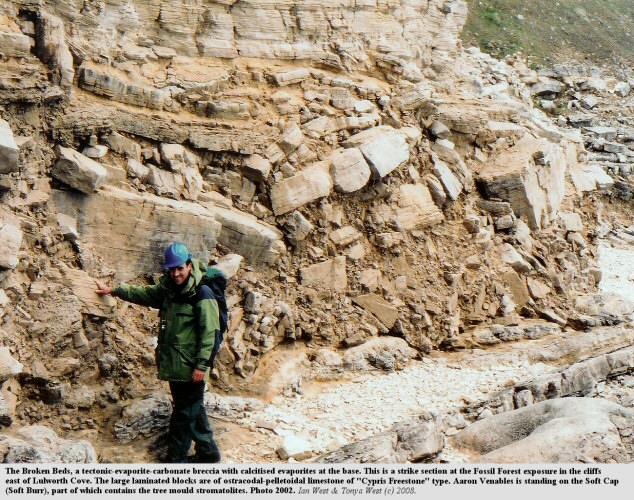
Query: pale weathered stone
285 145
530 176
593 84
570 221
245 234
330 274
229 264
517 287
256 168
590 177
385 353
439 130
9 150
312 183
436 189
384 148
166 183
295 447
39 444
415 207
547 86
10 241
9 367
413 98
379 307
142 226
95 152
14 44
450 183
122 145
143 418
345 236
83 286
291 77
137 170
350 172
78 171
622 89
565 430
510 256
537 289
105 81
298 227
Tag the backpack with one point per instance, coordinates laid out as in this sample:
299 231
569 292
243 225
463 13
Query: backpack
216 281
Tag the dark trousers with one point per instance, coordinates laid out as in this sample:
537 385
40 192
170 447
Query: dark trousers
189 422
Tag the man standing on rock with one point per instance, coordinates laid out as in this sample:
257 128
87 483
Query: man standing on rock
189 322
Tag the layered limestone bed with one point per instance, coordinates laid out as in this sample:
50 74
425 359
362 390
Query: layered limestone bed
378 197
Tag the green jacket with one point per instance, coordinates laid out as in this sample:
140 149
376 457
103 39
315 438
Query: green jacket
189 322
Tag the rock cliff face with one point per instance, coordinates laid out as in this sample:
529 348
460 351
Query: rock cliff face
354 172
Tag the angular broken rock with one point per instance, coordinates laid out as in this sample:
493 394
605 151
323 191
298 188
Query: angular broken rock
345 236
384 148
295 447
122 145
256 168
143 418
291 77
517 286
450 183
439 130
530 176
537 289
350 171
285 145
385 312
590 177
131 231
415 207
310 184
9 151
298 227
570 221
330 274
9 367
10 241
622 89
512 257
436 189
96 152
78 171
83 286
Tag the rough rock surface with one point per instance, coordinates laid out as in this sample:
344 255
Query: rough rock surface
324 155
566 430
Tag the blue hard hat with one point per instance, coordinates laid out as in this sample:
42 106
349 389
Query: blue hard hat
176 254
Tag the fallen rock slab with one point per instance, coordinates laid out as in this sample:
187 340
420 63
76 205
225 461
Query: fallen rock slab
415 208
329 274
384 148
350 171
310 184
530 176
78 171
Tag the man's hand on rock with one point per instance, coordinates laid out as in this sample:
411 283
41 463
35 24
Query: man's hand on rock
102 288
